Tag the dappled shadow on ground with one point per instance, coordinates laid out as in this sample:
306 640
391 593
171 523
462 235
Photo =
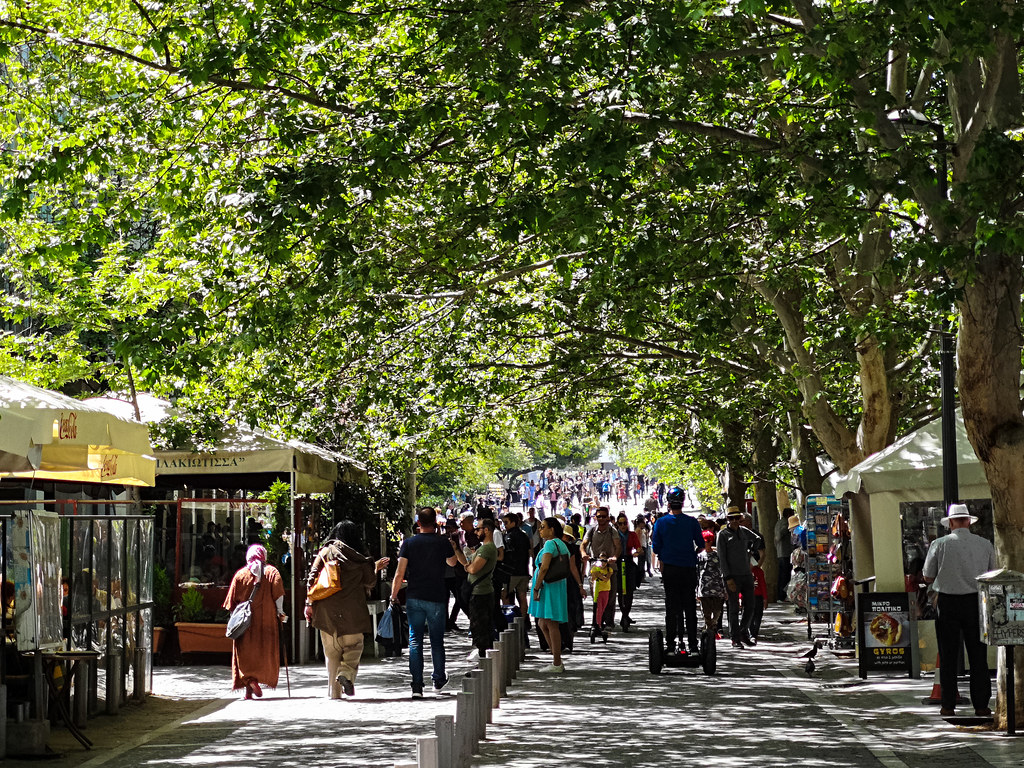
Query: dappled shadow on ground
761 709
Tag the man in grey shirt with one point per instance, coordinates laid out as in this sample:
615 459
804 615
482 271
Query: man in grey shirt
952 566
602 542
734 544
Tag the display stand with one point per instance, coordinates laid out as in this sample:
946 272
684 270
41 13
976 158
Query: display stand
829 569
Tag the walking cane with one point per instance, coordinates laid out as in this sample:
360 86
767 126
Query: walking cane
284 655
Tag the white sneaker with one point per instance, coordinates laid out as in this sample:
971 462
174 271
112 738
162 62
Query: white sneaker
473 655
554 669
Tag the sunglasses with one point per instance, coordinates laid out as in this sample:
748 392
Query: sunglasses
602 517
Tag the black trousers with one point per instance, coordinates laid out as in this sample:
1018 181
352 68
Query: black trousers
958 623
785 572
481 621
739 627
680 584
455 585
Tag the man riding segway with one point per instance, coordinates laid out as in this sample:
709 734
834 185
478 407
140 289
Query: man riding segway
676 540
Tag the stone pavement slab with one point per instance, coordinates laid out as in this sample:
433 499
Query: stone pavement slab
761 709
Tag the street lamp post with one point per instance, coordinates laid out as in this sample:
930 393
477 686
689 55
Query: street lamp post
910 120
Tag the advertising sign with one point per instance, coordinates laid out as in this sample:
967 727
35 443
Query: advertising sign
1002 610
885 631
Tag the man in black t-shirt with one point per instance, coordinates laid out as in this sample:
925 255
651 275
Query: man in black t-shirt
518 550
421 563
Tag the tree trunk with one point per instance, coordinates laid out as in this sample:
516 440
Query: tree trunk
989 354
735 487
767 519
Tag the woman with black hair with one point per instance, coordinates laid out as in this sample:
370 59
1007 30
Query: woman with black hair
343 617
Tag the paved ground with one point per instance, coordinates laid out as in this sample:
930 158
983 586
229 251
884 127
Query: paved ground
761 709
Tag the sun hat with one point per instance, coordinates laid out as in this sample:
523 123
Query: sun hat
958 512
734 512
794 521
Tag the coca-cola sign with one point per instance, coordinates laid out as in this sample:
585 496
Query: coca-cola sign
68 426
108 466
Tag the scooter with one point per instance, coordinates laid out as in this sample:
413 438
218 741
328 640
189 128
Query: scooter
704 656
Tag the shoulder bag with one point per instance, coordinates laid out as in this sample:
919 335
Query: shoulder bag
241 614
328 582
558 568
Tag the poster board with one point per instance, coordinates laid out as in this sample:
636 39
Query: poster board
886 633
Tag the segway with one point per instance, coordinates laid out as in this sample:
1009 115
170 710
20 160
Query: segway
659 657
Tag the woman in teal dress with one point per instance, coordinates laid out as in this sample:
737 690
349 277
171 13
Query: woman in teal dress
548 603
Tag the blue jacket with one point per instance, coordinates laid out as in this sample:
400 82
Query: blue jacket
677 539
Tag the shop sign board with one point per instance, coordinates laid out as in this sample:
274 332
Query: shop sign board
886 633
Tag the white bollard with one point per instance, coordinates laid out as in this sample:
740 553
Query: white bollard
494 655
464 727
426 752
487 667
444 730
479 721
523 637
469 686
508 652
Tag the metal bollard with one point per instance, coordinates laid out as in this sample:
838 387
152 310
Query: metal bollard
80 702
499 673
426 752
113 692
487 667
463 728
524 637
444 730
139 675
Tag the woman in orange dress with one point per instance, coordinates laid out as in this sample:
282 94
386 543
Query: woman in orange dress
255 656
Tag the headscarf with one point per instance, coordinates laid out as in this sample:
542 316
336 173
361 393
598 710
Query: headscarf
256 556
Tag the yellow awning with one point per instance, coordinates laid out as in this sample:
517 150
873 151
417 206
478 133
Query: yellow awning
45 435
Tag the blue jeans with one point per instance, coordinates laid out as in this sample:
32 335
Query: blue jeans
424 614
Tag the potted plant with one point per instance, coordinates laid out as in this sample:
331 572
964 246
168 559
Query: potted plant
196 632
161 607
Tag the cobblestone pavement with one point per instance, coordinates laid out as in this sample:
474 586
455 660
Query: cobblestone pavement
761 709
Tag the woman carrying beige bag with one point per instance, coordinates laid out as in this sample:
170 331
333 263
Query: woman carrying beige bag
343 617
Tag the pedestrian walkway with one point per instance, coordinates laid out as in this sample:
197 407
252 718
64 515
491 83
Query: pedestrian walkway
761 709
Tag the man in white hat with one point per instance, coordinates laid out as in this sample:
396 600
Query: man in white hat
952 566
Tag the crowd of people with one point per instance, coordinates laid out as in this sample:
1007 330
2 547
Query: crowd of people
572 566
566 562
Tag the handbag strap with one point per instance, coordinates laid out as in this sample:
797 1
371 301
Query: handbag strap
252 595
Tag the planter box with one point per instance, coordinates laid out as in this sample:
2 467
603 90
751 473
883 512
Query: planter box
159 638
202 638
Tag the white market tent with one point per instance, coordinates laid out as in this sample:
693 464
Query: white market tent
239 451
909 470
46 435
914 461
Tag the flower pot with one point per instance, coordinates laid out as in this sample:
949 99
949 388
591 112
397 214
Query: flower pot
159 638
202 638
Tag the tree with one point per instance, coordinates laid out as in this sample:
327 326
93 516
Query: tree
397 196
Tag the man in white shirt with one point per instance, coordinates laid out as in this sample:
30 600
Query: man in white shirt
952 566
